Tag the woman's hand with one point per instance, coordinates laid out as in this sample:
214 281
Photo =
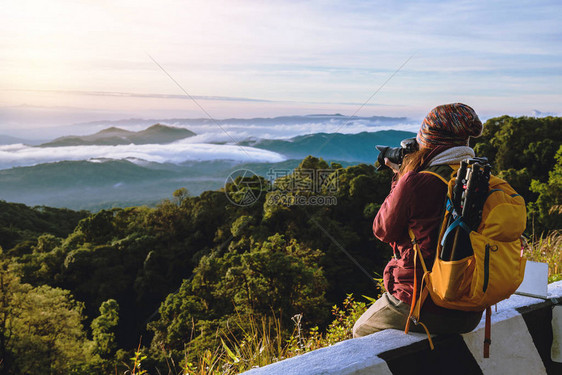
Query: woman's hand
395 167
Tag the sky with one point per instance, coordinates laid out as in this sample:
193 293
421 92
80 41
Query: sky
63 62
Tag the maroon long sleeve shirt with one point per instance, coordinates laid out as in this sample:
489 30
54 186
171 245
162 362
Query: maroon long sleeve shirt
416 201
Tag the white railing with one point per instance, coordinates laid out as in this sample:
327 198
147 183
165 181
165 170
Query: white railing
520 329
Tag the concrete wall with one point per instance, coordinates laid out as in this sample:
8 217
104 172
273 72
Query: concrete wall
521 342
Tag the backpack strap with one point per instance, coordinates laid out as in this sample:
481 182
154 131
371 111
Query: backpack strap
457 223
443 172
415 308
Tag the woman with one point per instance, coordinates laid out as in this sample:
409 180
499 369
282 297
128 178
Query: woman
416 201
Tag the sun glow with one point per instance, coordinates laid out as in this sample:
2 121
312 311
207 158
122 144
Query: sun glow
297 57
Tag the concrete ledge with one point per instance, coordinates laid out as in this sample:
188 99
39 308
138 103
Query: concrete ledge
521 341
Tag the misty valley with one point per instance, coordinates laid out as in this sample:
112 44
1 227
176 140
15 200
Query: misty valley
116 167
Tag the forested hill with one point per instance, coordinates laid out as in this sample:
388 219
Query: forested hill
80 290
350 147
19 223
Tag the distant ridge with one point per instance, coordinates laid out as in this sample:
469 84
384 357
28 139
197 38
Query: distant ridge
286 120
114 131
326 115
8 140
158 133
358 147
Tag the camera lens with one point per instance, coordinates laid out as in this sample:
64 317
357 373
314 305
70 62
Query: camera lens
382 152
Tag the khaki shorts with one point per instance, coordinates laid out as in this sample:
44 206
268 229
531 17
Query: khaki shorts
389 312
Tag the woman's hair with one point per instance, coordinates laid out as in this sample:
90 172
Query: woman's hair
413 161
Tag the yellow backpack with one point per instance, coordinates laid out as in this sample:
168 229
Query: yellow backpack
495 267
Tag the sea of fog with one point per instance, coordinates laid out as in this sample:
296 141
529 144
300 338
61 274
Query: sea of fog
18 155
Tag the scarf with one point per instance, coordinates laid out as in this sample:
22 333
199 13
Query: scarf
453 155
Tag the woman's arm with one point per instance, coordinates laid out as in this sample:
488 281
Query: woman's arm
391 222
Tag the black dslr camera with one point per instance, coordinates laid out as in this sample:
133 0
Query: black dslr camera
396 154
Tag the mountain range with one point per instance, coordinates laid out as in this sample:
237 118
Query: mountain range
348 147
358 147
157 133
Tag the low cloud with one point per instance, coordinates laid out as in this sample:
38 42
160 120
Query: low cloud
239 130
21 155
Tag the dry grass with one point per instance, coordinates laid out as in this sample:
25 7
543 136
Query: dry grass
547 249
264 341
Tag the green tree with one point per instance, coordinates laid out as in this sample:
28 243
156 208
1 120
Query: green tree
522 142
46 243
253 278
42 330
97 228
9 284
180 195
20 223
523 151
48 333
103 329
548 207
